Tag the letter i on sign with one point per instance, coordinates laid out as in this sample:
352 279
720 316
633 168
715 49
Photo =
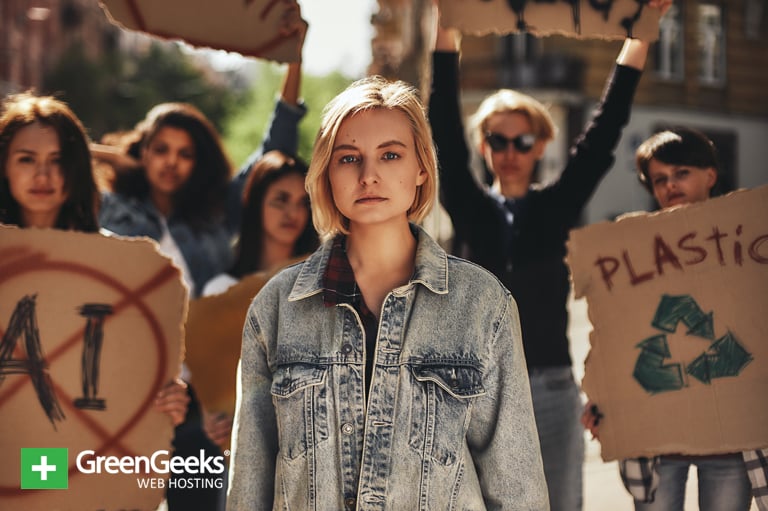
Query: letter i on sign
92 340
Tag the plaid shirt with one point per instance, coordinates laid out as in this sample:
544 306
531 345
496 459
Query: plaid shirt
757 469
641 479
339 286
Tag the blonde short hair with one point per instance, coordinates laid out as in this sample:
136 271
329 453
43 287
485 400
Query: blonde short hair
510 101
363 95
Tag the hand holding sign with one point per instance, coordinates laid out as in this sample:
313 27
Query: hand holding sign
677 301
254 28
97 324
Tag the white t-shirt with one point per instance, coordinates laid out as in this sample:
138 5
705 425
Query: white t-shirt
169 247
219 284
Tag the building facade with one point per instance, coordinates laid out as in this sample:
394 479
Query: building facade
708 70
35 33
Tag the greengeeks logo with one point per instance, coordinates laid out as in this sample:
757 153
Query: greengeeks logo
44 469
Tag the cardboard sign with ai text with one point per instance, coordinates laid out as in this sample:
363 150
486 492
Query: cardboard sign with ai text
679 352
611 19
92 328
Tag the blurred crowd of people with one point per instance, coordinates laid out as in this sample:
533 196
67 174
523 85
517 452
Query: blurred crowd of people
377 371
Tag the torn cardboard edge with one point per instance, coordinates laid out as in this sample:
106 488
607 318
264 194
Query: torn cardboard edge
709 260
254 32
72 279
582 19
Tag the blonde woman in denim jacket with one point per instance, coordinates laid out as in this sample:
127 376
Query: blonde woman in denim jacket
382 373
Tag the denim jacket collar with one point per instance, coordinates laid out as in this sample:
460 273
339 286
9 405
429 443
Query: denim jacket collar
431 268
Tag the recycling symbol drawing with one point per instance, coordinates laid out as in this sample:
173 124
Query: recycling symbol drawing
723 357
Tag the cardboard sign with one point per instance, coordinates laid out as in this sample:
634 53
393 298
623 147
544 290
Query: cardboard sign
214 337
91 329
606 19
678 301
248 27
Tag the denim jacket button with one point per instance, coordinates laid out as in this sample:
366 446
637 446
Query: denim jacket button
346 349
347 429
349 502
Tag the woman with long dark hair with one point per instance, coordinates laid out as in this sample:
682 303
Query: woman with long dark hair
45 166
275 224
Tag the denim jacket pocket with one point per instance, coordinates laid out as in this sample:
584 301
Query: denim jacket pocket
299 394
441 402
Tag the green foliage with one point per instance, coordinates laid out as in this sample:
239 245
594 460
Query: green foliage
245 128
116 91
317 92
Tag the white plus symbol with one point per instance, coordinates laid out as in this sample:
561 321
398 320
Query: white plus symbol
43 468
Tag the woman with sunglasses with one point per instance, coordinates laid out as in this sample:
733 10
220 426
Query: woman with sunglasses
518 231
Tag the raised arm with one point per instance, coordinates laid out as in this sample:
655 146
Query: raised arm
593 152
635 52
464 199
282 133
283 130
446 39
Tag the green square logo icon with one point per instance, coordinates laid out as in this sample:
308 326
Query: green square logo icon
44 469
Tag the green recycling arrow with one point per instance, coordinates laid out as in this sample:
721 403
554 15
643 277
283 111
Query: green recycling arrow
673 309
650 370
724 357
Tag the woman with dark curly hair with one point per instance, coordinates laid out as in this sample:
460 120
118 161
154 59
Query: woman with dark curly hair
176 195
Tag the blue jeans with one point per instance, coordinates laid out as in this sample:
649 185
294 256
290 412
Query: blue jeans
723 484
557 407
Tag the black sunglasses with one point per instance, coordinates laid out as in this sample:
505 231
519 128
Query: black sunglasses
522 143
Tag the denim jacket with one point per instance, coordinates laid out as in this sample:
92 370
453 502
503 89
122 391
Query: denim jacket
448 423
206 250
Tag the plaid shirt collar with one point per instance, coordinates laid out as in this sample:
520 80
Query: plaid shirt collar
339 284
431 269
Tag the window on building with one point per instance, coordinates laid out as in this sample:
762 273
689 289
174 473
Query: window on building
669 48
711 44
753 18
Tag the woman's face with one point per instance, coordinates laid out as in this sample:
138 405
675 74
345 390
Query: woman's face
510 164
169 159
374 170
285 211
34 172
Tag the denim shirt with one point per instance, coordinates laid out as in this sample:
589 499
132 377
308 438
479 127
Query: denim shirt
448 423
207 250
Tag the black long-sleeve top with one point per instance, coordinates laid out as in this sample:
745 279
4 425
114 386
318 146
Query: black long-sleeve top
522 241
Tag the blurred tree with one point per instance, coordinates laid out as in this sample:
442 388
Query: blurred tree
245 128
115 92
